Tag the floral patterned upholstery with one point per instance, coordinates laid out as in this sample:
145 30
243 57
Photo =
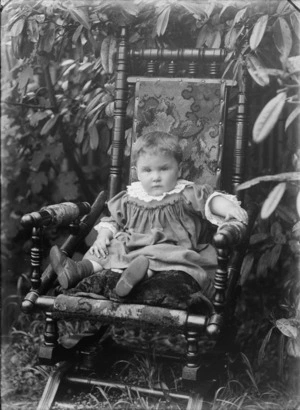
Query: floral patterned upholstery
190 110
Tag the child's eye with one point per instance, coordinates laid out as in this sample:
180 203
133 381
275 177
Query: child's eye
146 169
165 168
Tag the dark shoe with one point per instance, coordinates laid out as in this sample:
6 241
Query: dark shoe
135 272
65 268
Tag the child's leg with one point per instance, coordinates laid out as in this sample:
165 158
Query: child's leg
69 272
135 272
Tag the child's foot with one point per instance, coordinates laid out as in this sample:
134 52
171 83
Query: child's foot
68 272
135 272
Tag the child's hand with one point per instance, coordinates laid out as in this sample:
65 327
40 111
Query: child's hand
99 247
236 212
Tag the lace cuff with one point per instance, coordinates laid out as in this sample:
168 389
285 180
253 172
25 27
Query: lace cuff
216 219
112 226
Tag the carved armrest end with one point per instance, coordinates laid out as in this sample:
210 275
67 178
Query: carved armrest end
230 234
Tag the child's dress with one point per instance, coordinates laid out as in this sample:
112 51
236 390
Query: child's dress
166 229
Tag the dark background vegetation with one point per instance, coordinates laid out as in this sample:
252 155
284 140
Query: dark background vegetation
56 118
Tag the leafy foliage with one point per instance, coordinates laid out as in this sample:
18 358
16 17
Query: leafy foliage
58 97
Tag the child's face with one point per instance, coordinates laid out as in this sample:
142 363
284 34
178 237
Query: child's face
157 172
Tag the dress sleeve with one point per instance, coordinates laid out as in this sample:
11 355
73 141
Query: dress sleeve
117 207
197 195
200 196
216 219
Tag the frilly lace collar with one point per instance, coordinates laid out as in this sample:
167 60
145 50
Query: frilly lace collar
136 190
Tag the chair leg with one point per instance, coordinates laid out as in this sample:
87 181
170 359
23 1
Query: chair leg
191 369
50 351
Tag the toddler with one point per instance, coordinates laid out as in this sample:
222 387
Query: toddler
155 225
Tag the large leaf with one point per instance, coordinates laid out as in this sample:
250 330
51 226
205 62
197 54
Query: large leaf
33 30
209 8
79 15
294 114
258 238
195 9
47 40
36 117
77 33
94 137
293 64
246 267
17 28
282 7
230 38
268 117
240 15
49 125
275 254
282 37
24 77
263 264
295 21
285 176
94 101
293 347
228 11
108 47
272 200
214 39
162 21
262 349
257 70
258 31
80 134
287 327
202 36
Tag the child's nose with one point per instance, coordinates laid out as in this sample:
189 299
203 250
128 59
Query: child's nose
156 176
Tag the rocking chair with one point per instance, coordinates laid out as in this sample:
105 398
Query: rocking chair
188 98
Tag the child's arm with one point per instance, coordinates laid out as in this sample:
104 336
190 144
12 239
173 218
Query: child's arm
99 247
221 206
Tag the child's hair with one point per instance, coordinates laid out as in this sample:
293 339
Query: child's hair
157 142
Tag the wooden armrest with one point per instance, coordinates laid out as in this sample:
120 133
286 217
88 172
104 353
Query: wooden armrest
69 246
230 234
58 214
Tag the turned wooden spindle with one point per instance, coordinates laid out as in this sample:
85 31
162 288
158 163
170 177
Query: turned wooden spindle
192 70
36 258
118 136
220 281
192 338
213 69
172 68
51 331
242 132
151 68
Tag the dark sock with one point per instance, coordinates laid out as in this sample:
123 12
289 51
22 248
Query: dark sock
85 268
70 277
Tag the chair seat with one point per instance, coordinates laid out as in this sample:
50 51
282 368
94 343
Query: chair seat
169 289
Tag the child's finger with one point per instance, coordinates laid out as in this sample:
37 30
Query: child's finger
101 252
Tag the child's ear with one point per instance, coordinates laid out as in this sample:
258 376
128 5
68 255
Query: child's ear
134 173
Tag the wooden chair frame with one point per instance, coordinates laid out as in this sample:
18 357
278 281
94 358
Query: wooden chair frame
230 239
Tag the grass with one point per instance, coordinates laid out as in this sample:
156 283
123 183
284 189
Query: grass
262 376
